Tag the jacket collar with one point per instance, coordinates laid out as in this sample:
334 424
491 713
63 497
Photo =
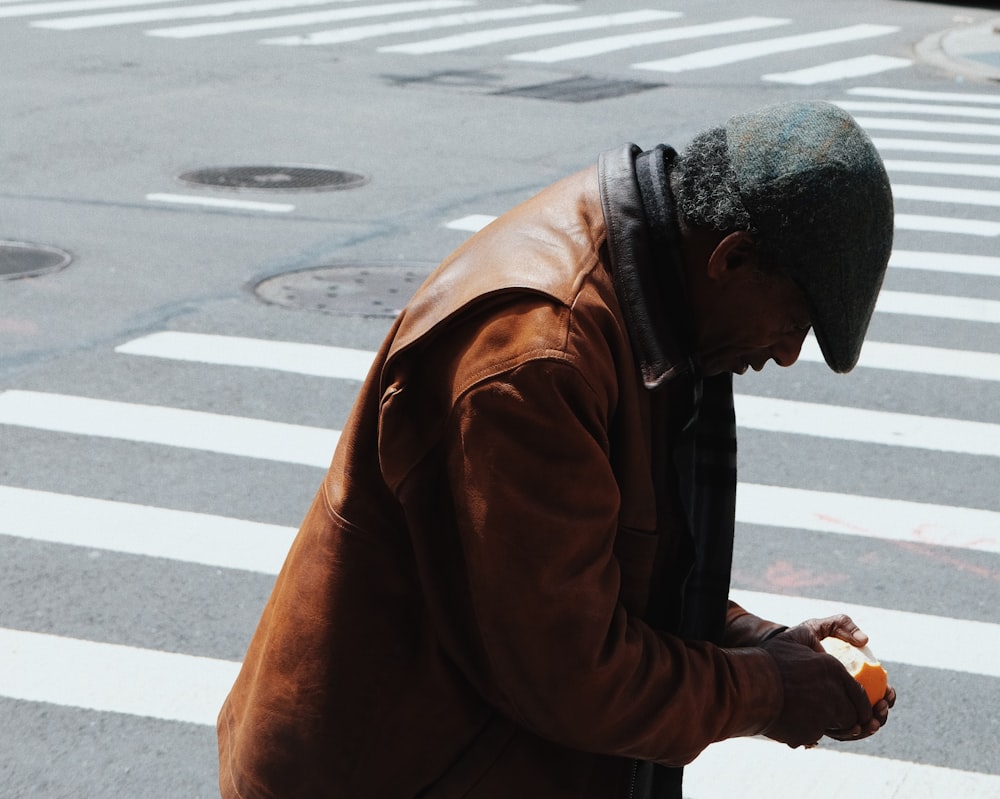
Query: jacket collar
645 261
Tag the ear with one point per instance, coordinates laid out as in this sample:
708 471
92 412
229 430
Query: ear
735 252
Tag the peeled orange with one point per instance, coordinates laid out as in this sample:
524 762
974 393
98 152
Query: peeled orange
861 664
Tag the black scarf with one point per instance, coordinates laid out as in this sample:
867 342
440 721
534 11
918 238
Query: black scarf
700 440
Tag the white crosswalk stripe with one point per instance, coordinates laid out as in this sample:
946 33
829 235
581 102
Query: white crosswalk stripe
309 359
142 530
174 427
905 191
869 517
839 70
608 44
943 168
352 364
823 773
257 547
466 41
871 427
311 446
63 6
933 146
731 54
969 309
241 7
304 18
953 263
902 636
359 32
923 126
947 224
917 359
920 109
36 667
177 687
910 94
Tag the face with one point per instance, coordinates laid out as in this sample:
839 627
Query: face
748 316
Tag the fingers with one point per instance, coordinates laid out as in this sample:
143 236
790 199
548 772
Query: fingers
840 626
859 699
881 709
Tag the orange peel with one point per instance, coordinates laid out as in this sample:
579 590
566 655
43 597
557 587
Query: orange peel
862 665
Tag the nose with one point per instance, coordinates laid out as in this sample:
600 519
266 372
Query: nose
786 351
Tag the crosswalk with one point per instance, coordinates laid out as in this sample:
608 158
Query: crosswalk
654 40
101 676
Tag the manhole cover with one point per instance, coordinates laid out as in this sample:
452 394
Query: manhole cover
355 289
275 178
584 89
20 259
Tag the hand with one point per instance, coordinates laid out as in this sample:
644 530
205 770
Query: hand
811 632
821 697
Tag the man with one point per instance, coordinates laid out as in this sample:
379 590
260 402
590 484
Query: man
513 580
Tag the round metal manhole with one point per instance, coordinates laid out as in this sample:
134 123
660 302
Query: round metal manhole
275 178
21 259
348 289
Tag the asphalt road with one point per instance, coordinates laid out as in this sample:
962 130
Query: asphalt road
163 427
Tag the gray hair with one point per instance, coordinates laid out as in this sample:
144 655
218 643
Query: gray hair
704 186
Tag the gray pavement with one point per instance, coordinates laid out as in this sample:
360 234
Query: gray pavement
971 51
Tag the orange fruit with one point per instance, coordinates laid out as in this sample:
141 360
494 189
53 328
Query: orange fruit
862 665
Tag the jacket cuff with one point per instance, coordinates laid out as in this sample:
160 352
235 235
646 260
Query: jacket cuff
759 688
744 629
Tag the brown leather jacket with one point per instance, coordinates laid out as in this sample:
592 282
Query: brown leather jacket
461 614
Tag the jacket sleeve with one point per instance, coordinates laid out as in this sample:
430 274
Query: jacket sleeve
745 629
535 504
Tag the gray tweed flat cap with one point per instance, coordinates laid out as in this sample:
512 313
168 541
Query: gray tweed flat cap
819 199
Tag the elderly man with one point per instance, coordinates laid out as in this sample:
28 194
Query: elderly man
513 581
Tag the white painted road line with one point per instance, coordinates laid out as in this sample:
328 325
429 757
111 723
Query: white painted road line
910 94
340 362
944 168
954 263
871 427
918 360
947 224
934 146
608 44
64 6
920 126
359 32
38 667
897 636
735 53
918 108
305 18
938 306
868 517
218 202
142 530
839 70
175 12
751 767
35 667
472 223
943 194
173 427
285 356
465 41
228 543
